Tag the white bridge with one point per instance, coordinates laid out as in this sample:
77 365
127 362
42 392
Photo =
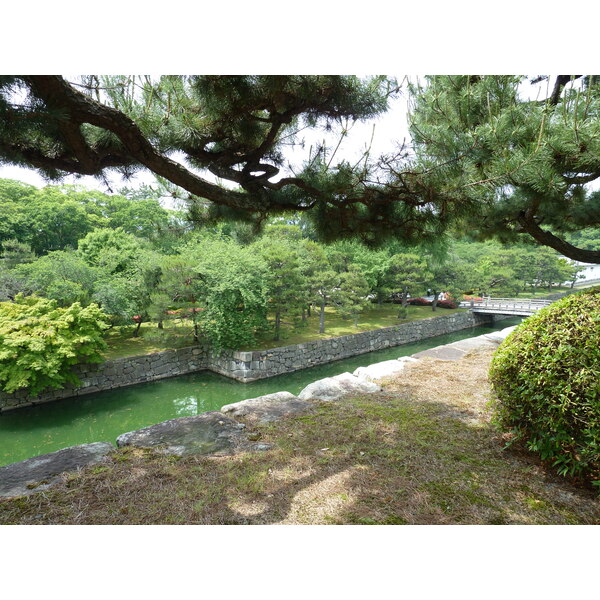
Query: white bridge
505 306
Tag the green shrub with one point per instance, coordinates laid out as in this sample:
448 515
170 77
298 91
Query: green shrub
546 377
40 342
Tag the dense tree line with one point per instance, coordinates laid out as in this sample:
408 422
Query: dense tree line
229 283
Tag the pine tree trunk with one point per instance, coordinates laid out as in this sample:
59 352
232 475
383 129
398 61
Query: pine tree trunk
160 324
402 312
435 300
322 317
136 333
277 324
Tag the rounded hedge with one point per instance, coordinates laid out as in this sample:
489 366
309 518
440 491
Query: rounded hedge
546 378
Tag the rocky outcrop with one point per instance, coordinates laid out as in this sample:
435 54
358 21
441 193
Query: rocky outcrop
40 472
209 433
334 388
269 407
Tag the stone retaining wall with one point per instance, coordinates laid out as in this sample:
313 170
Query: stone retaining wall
246 366
249 366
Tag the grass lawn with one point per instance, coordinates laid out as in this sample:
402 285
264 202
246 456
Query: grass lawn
375 317
177 334
421 452
121 342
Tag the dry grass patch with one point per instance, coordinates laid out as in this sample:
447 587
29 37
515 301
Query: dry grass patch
423 452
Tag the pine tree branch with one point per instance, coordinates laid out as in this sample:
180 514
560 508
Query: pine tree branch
56 92
529 225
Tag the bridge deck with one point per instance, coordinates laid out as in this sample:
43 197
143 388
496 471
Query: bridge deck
506 306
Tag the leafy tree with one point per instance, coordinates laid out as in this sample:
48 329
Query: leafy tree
550 269
588 238
375 266
56 217
62 276
139 214
450 276
287 286
12 190
514 166
496 272
55 221
321 279
11 284
111 250
408 273
40 342
220 286
351 295
237 293
121 299
16 253
13 195
181 288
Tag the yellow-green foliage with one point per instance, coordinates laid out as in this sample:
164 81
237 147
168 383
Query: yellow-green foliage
546 377
40 342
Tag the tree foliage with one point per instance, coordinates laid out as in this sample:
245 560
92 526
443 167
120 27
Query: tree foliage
219 286
350 297
516 165
57 217
40 342
287 286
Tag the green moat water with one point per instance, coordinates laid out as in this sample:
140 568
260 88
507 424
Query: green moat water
103 416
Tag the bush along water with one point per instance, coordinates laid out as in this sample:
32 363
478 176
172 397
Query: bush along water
40 342
546 379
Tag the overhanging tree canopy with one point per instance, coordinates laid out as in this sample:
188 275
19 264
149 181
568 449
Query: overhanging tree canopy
482 154
235 127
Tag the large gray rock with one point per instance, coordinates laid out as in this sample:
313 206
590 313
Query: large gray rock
381 369
208 433
40 472
333 388
269 407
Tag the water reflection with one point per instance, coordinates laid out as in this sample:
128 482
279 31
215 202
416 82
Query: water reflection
186 407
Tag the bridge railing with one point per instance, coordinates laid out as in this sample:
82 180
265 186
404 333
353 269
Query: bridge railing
527 304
